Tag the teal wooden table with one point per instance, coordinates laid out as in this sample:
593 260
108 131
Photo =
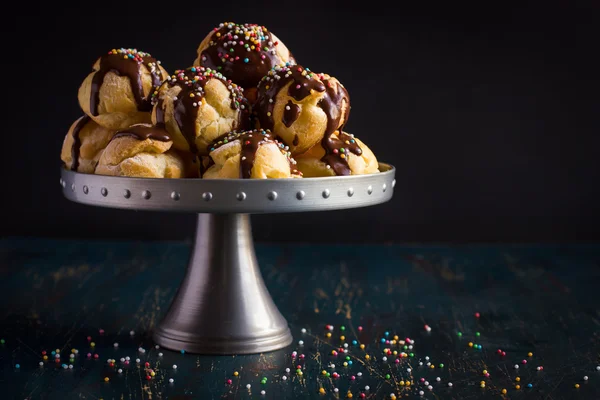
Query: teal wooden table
375 322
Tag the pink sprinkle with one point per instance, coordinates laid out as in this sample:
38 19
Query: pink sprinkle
387 342
89 338
397 361
101 331
487 374
263 57
477 315
229 381
298 86
360 329
499 351
334 353
96 356
422 379
302 356
353 377
524 361
126 362
89 355
362 396
503 353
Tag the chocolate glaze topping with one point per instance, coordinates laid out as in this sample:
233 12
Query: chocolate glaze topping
192 82
303 82
242 52
290 114
143 132
126 62
250 142
77 142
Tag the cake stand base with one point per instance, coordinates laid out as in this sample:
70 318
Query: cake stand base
222 305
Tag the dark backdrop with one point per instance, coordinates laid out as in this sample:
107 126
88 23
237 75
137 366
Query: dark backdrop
490 114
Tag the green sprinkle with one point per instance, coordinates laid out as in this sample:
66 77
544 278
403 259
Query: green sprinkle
405 347
387 376
477 334
328 374
2 341
342 328
347 358
459 334
441 365
412 354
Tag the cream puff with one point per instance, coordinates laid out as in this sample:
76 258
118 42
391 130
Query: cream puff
300 106
243 53
338 154
83 145
254 154
197 105
142 151
117 92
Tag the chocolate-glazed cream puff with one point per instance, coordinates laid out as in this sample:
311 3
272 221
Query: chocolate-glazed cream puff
254 154
243 53
143 151
117 93
338 154
300 106
83 145
197 105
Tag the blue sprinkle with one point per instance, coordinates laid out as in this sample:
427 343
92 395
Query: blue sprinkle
182 351
529 385
382 340
354 342
350 362
53 353
352 141
387 333
246 60
193 69
17 365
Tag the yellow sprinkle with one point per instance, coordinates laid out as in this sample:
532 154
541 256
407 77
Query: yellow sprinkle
518 379
349 395
235 373
577 386
485 371
299 373
125 57
152 373
106 379
333 352
362 346
401 383
328 333
482 385
392 396
395 353
393 342
342 337
192 94
432 366
252 47
367 357
45 357
470 344
218 34
57 350
530 354
504 391
268 115
322 391
342 156
396 337
518 387
93 344
347 142
345 364
323 372
407 383
73 351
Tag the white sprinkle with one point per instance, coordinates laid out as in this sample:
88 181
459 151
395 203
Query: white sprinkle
127 358
430 387
57 356
408 370
303 330
345 350
171 380
428 364
449 384
585 378
175 98
248 386
427 358
174 366
287 370
120 371
76 351
438 379
243 158
328 166
65 366
359 374
157 347
137 360
287 108
122 359
116 345
284 378
345 345
539 368
421 393
41 363
263 392
516 366
336 390
367 387
410 347
384 359
131 333
301 342
426 383
71 355
160 354
598 368
243 107
420 363
70 366
195 104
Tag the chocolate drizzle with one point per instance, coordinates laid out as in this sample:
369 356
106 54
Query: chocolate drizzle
290 114
303 82
250 142
242 52
77 141
337 150
192 82
126 62
143 132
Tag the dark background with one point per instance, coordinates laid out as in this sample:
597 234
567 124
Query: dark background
490 114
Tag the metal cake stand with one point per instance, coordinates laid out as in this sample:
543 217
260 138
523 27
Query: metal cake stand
222 305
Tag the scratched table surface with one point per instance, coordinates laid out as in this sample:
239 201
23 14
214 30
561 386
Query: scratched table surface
374 322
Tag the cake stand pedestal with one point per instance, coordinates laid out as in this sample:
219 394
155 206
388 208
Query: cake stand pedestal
222 305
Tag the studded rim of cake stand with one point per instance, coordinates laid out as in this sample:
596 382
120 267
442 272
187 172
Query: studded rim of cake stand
222 306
